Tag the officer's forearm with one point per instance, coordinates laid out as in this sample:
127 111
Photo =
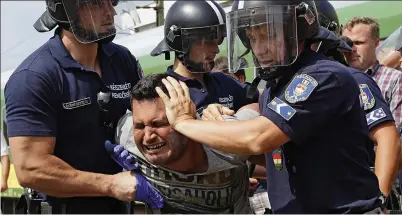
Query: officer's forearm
387 155
56 178
36 167
5 167
250 137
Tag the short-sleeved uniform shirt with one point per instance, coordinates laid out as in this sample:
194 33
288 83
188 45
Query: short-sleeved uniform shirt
316 103
374 105
377 112
219 88
52 95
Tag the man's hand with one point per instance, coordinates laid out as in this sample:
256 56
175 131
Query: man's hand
214 112
119 154
4 186
179 106
130 186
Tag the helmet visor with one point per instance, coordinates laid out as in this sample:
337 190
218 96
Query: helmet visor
91 20
201 44
266 36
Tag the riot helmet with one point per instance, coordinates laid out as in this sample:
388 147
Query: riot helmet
89 20
327 16
191 28
268 33
328 19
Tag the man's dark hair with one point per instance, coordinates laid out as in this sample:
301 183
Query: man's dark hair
145 88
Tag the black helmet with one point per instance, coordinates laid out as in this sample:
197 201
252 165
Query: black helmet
187 22
65 14
329 20
327 16
283 23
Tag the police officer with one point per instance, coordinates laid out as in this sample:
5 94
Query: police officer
383 131
312 112
62 104
193 30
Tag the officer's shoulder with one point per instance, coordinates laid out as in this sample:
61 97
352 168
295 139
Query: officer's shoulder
39 63
361 77
336 69
224 77
119 49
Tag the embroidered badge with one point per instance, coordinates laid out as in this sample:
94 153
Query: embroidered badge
366 97
281 108
277 157
77 104
375 115
300 88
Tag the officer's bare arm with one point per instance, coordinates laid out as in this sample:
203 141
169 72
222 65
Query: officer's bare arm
386 137
251 137
37 168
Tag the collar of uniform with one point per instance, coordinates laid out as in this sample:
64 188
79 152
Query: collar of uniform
182 78
307 57
64 58
108 49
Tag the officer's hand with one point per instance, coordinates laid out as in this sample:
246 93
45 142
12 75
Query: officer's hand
119 154
179 106
214 112
147 193
130 186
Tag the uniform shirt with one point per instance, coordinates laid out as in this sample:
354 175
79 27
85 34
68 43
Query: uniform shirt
219 88
223 188
377 112
52 95
327 158
389 81
374 105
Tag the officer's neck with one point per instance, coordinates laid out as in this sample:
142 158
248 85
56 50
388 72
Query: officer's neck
194 160
180 69
85 54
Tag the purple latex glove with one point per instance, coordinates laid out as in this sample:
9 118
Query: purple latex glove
119 154
147 193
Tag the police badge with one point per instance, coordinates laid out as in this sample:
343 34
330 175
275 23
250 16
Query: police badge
366 97
300 88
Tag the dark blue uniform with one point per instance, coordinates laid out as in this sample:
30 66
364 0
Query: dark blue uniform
219 89
376 108
316 103
50 94
377 111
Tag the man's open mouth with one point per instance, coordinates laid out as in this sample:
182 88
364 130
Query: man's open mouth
155 147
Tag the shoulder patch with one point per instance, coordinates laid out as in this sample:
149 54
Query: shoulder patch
366 96
375 115
281 108
300 88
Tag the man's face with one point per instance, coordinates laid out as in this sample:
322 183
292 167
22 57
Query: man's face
363 51
268 47
205 51
154 137
97 16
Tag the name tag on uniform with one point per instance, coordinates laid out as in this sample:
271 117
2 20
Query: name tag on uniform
77 104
